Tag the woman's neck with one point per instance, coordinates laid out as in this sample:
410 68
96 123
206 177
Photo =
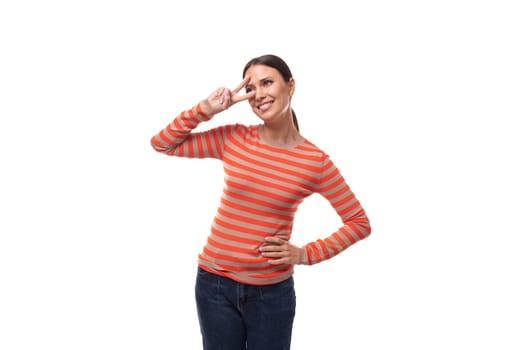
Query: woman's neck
280 134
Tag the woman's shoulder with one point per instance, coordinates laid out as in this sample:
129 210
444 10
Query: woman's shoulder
312 148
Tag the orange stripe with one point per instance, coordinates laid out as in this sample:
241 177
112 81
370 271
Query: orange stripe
163 137
264 156
331 186
269 184
331 245
326 253
286 154
274 274
233 238
340 192
349 209
316 253
238 228
266 194
253 221
356 230
201 113
253 211
339 240
228 257
200 146
259 202
190 151
349 201
208 141
273 174
346 232
229 248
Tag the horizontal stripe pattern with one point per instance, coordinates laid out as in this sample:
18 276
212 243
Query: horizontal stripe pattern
264 185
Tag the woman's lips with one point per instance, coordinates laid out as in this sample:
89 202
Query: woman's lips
265 106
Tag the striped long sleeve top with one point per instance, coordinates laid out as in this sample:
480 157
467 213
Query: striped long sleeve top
264 185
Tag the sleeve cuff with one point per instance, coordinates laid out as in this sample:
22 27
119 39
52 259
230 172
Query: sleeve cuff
303 256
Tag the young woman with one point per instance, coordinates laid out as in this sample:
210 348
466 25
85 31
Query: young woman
244 288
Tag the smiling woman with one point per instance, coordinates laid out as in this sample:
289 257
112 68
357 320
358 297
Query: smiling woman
264 64
244 290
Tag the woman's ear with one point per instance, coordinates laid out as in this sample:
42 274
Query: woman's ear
291 83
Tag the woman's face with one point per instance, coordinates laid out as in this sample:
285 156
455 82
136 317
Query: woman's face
272 93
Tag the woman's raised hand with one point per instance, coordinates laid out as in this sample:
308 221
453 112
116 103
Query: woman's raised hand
222 98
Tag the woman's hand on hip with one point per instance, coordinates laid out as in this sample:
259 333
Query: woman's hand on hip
281 251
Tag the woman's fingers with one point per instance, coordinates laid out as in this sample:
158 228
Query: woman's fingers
222 98
243 83
237 98
280 251
224 95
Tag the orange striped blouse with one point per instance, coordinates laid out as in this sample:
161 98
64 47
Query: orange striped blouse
264 186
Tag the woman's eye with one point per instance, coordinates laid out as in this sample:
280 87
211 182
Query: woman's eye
267 82
248 90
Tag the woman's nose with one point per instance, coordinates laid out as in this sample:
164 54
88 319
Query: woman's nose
259 94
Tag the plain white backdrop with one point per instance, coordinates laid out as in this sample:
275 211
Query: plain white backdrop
419 103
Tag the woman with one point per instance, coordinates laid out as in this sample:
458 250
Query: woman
244 288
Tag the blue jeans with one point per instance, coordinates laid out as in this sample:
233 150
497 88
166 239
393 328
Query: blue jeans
237 316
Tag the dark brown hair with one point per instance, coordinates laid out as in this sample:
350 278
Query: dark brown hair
280 65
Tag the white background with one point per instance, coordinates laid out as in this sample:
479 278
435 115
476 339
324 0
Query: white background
419 103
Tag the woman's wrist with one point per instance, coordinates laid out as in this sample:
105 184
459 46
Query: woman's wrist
206 108
303 257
